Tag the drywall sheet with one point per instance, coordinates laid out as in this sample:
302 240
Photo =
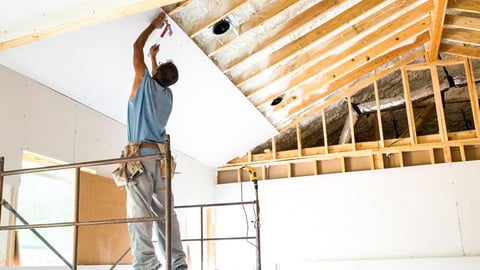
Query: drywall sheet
428 211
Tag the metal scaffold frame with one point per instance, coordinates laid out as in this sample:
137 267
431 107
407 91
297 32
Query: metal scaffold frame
77 223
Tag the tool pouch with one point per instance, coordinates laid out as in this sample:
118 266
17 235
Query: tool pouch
125 172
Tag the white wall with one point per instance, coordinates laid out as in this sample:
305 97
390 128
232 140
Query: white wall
422 217
38 119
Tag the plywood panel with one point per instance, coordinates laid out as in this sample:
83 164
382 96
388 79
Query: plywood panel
416 158
101 199
357 164
329 166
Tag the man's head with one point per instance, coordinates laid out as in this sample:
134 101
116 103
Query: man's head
166 74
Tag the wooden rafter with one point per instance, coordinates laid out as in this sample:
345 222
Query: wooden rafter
369 68
98 17
460 50
470 23
355 57
466 36
300 59
349 68
287 29
227 8
436 28
257 20
471 6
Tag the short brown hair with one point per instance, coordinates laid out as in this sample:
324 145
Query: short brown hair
167 74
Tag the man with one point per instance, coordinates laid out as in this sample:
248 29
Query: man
149 108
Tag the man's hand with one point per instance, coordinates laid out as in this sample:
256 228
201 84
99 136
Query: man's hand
159 21
154 50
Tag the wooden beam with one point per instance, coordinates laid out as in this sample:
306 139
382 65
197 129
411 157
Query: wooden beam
470 6
473 95
256 20
325 134
354 56
369 68
379 114
352 121
436 28
351 65
274 148
460 50
179 7
98 17
420 117
442 126
300 52
442 62
287 29
299 140
463 22
409 107
215 15
466 36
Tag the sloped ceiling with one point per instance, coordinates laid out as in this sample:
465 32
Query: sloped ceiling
306 52
83 49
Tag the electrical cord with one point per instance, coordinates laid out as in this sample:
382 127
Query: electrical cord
245 213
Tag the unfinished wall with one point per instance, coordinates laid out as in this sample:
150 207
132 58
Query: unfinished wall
38 119
422 217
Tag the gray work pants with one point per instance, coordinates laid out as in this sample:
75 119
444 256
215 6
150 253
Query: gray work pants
146 195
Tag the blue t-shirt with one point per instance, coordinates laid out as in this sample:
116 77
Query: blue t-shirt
149 111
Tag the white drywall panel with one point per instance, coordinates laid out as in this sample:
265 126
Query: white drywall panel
211 120
97 137
40 120
459 263
467 194
371 215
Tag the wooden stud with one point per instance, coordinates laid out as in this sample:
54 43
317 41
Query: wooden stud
462 152
432 155
473 95
379 114
351 122
274 149
325 135
409 107
299 140
442 127
447 153
210 224
239 175
358 73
